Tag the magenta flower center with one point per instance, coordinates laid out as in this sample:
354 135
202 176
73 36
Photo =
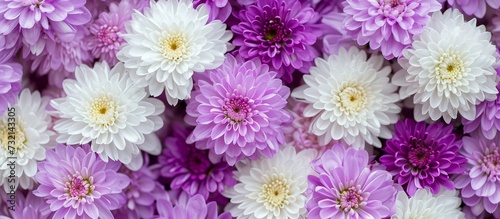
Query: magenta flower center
490 164
420 154
350 199
198 162
108 35
392 8
237 108
77 187
274 31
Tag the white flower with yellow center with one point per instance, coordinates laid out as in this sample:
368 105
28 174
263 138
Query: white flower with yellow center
24 135
350 98
445 204
169 42
449 68
271 188
106 108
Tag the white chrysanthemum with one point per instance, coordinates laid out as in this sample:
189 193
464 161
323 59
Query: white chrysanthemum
271 188
424 204
449 68
169 42
28 135
350 97
106 107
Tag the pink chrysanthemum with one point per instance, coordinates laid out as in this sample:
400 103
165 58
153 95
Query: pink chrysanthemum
105 39
40 20
10 84
481 183
388 25
344 186
192 170
238 110
78 184
60 59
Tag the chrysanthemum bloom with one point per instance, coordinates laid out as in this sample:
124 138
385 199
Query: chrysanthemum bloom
487 119
272 188
193 170
421 156
10 44
298 134
42 20
238 110
169 42
141 192
105 39
277 32
388 25
31 207
104 107
344 186
24 134
424 204
188 207
480 185
78 184
473 7
218 9
60 59
10 84
350 98
446 73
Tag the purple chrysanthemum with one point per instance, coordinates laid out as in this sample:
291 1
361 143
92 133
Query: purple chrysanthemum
388 25
60 59
105 39
277 32
421 156
473 7
29 206
10 44
189 207
10 84
481 183
487 119
43 19
141 193
193 170
78 184
218 9
238 110
344 186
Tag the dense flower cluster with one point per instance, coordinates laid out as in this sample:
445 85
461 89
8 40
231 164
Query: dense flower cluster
249 109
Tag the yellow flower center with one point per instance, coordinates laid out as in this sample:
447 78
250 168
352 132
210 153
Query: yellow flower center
351 99
449 68
174 47
275 193
13 136
103 111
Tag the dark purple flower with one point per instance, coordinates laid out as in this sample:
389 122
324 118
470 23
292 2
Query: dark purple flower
421 156
193 170
277 32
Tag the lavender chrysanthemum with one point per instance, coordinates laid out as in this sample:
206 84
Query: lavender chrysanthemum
218 9
344 186
40 20
105 39
421 156
189 207
29 206
277 32
476 8
388 25
487 118
10 84
60 59
193 170
480 184
78 184
239 109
